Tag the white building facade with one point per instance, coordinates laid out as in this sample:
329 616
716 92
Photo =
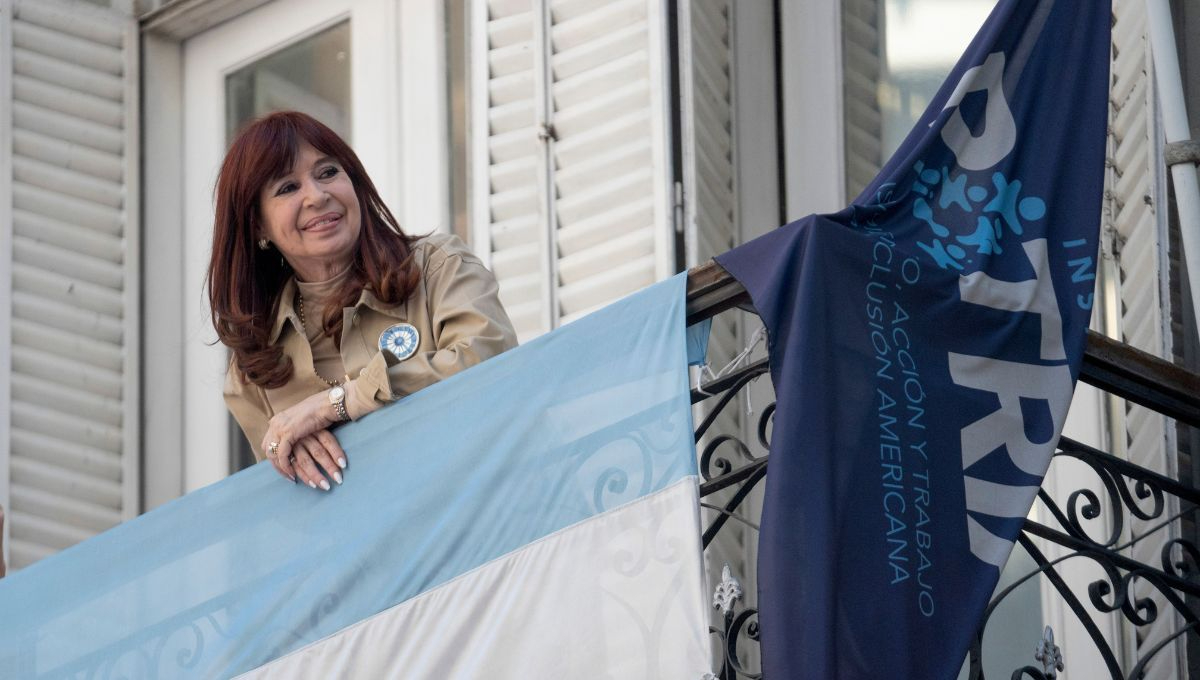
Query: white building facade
584 148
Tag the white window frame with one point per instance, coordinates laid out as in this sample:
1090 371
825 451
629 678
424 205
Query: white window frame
187 426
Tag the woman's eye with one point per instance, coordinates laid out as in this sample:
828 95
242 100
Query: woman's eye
285 188
328 172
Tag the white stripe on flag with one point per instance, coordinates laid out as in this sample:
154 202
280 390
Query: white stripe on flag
619 595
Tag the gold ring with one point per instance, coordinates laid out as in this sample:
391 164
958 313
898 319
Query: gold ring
274 449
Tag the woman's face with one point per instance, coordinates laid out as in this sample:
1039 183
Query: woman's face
312 215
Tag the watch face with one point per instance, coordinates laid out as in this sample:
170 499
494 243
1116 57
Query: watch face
337 394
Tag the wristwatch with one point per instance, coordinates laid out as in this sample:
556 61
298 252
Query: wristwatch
337 397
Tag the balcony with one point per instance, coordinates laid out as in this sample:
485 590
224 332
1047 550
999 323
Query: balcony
1112 515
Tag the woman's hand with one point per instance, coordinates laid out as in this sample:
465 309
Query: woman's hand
298 442
315 458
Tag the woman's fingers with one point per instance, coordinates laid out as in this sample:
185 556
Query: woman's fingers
306 466
323 457
331 445
282 464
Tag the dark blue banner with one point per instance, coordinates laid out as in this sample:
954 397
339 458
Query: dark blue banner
924 346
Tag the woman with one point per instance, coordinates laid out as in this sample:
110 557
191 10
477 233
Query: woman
329 309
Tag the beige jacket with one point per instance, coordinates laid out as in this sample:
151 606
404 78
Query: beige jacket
455 309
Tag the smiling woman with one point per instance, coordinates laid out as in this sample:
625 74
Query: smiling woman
299 226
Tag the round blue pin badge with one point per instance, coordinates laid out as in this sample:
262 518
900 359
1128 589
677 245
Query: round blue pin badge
401 340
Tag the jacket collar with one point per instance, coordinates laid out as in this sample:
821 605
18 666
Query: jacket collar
287 308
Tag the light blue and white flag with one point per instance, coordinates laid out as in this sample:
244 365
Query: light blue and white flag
534 517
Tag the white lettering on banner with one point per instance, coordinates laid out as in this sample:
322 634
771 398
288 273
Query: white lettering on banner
1011 382
1000 131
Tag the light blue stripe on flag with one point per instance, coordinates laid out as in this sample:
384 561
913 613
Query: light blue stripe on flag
579 421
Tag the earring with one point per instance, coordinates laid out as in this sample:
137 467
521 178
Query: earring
263 244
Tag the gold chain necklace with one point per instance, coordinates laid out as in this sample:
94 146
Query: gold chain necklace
304 325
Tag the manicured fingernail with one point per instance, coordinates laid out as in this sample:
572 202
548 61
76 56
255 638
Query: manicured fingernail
337 477
310 483
341 464
293 478
325 485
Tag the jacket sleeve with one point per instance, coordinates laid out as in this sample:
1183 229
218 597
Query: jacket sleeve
248 404
467 320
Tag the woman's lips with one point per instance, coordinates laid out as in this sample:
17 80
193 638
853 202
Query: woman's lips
323 223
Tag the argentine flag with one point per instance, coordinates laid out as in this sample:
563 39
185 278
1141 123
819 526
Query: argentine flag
533 517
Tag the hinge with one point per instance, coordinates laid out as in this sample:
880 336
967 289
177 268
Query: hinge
677 207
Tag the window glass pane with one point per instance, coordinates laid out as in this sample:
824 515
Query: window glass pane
896 53
312 76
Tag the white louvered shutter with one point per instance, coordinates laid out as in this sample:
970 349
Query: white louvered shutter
862 68
571 182
71 453
1136 236
505 188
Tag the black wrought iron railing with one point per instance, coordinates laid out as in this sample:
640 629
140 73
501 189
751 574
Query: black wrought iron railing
1091 524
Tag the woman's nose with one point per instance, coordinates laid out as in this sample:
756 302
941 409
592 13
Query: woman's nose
315 195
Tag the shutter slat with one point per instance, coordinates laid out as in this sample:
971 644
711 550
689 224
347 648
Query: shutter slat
601 19
46 395
614 283
620 220
69 264
514 203
577 148
510 88
66 317
594 261
510 59
511 29
63 100
78 458
587 114
68 75
68 128
68 290
100 354
69 48
511 116
68 156
620 160
39 475
67 182
513 174
68 237
66 511
67 209
67 373
579 89
600 199
523 229
64 427
50 533
91 26
515 261
595 53
512 145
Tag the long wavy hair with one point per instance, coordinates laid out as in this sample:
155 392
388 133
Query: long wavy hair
245 282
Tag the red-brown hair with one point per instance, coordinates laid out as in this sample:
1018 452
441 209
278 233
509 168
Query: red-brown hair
244 282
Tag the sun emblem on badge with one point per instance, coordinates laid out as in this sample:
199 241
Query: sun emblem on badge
401 340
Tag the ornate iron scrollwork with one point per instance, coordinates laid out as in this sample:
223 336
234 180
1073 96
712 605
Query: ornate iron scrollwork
1093 525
